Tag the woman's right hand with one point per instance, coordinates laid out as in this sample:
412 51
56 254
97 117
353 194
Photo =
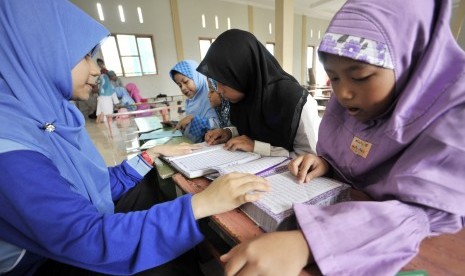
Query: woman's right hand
182 124
217 136
228 192
306 167
172 149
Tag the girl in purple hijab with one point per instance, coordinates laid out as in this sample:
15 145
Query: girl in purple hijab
394 130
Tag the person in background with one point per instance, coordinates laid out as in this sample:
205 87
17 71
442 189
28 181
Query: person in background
101 65
200 115
140 101
57 210
107 98
125 99
134 92
115 80
220 105
394 130
272 114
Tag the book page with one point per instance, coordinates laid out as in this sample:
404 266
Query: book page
285 190
157 134
145 124
155 142
255 167
202 161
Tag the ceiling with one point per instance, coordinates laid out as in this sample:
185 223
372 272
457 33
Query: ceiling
324 9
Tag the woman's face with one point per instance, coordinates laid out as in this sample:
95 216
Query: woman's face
84 76
186 85
366 91
230 94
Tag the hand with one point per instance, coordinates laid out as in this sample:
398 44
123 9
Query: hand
172 149
217 136
307 167
243 143
259 256
228 192
183 123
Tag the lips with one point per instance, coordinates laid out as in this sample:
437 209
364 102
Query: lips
188 94
353 111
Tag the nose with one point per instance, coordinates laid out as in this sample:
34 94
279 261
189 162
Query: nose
94 69
343 92
184 89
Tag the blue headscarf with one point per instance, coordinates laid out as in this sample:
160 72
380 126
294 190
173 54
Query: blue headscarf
41 43
199 104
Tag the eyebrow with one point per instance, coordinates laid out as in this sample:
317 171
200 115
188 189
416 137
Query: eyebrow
349 69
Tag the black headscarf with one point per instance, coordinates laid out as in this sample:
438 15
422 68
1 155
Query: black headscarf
271 109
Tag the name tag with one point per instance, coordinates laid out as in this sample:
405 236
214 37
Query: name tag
360 147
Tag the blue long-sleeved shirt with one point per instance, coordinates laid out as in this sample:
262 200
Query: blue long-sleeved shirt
39 212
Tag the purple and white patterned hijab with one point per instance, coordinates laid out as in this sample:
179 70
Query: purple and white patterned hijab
358 48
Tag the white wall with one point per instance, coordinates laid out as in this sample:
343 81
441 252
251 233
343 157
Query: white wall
157 23
190 17
461 38
261 20
298 61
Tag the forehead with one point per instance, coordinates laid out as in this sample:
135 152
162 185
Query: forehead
180 77
333 63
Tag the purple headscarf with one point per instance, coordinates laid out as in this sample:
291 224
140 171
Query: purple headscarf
417 147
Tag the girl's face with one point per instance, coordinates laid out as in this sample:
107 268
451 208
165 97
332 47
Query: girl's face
84 76
230 94
366 91
186 85
213 96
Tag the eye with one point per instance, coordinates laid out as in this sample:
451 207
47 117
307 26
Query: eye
359 79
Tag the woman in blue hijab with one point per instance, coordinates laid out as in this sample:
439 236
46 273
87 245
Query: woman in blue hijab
201 117
56 194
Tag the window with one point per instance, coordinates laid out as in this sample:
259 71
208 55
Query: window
320 72
310 62
204 44
129 55
270 47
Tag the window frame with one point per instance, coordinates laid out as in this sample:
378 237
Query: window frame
274 47
120 57
210 39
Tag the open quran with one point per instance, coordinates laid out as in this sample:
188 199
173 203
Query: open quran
274 212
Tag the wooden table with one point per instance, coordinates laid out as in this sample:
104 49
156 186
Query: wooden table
443 255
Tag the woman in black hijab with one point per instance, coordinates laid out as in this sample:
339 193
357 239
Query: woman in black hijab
271 113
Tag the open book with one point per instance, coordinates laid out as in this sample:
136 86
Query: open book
209 159
274 210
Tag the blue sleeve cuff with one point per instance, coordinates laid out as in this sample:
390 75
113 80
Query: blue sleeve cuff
140 165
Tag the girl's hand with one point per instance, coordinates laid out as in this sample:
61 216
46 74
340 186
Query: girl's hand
183 123
217 136
307 167
228 192
243 143
259 256
172 149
